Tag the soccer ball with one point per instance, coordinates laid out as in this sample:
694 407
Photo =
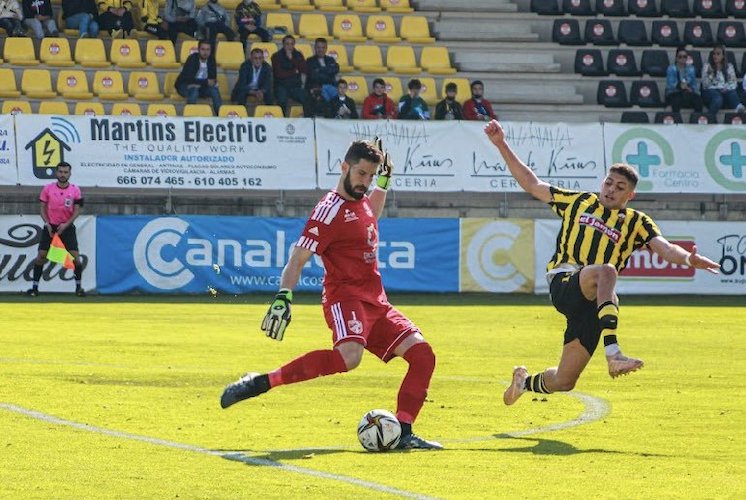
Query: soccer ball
379 430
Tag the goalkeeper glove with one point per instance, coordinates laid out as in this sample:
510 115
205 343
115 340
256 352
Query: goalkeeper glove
385 169
278 315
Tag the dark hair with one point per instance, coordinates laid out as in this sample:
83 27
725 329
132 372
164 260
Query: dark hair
286 37
476 82
711 59
363 150
451 86
625 171
414 83
320 39
680 48
257 50
64 164
379 81
204 42
341 81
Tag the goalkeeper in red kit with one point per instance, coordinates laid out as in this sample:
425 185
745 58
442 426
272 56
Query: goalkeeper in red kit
343 231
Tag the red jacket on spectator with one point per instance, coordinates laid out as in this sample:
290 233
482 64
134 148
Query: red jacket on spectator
471 109
375 107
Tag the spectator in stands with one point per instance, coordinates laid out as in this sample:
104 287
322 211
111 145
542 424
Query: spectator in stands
288 66
478 108
152 22
411 105
198 77
115 16
213 19
249 22
254 80
342 106
719 82
449 108
181 18
322 71
11 15
377 105
38 16
81 15
681 84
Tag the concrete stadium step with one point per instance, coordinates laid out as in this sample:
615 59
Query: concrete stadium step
530 92
469 5
484 30
528 62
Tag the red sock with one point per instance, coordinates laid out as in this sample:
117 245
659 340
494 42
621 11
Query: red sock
311 365
414 387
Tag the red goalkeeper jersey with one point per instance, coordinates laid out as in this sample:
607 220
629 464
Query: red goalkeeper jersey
345 234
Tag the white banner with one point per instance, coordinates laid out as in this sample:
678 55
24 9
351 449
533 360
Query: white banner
158 152
19 239
681 159
648 273
457 156
8 170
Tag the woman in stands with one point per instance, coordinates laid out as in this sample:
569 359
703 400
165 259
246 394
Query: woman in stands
719 82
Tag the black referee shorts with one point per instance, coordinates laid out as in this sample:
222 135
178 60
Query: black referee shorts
581 313
69 238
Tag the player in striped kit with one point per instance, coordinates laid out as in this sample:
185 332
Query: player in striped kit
343 230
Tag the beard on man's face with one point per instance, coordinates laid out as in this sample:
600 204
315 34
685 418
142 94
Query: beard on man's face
356 192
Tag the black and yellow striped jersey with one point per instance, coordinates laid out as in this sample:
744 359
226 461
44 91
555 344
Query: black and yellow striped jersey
593 234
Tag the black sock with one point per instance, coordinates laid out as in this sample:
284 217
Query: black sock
37 274
535 383
406 429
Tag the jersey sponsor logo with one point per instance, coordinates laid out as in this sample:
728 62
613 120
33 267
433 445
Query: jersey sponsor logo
644 263
350 215
600 226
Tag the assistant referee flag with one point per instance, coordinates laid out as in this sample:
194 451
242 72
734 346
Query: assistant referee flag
59 254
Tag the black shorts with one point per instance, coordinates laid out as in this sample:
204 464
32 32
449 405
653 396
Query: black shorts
581 313
69 238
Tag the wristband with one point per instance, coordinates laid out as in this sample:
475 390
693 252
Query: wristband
382 182
688 260
612 349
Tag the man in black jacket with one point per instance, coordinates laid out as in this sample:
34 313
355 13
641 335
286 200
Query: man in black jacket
322 71
198 77
38 16
254 80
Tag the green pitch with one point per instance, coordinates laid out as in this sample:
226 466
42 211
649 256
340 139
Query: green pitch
118 398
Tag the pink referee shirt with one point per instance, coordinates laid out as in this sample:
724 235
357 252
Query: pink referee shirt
60 202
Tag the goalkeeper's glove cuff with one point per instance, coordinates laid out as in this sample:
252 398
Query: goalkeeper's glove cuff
287 293
382 182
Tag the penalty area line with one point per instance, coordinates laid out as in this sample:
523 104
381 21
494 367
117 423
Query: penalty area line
233 456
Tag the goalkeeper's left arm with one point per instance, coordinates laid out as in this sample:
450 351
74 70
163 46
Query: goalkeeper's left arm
383 181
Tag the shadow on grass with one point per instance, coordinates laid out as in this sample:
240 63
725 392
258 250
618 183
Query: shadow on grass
281 455
560 448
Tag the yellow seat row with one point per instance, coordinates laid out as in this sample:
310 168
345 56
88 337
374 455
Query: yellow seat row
358 89
348 27
94 108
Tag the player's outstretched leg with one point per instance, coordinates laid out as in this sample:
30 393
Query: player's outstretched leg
619 364
248 386
517 386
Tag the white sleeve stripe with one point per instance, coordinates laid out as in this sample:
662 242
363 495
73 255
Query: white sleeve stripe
327 210
307 243
339 321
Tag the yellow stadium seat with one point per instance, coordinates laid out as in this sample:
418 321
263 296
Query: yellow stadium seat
188 47
73 84
396 6
429 91
126 53
363 5
233 111
435 60
126 109
37 84
348 28
297 4
169 87
463 88
339 53
199 110
266 111
296 112
330 5
109 85
394 88
8 86
16 107
382 29
161 54
90 53
89 109
313 26
230 55
368 59
161 109
143 86
400 59
267 5
415 29
357 88
20 51
223 87
53 108
268 48
55 52
281 19
305 49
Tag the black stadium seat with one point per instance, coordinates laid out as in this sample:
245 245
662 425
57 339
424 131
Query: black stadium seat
645 93
735 8
612 94
635 117
610 7
731 34
667 117
654 62
589 62
633 33
566 32
643 8
665 33
577 7
698 33
695 58
599 32
708 8
546 7
676 8
621 62
731 58
701 118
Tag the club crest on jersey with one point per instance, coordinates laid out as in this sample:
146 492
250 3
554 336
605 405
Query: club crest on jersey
372 236
314 231
350 215
355 325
